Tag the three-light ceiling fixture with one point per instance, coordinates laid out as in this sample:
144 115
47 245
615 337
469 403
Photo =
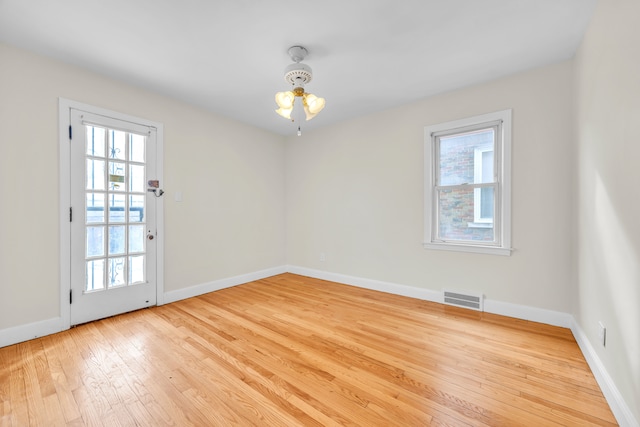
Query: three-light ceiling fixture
298 74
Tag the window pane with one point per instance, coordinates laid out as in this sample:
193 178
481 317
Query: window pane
95 208
136 148
95 141
486 203
136 208
117 145
95 275
457 154
95 241
116 239
456 217
137 179
136 238
487 166
117 207
95 174
116 176
136 269
116 272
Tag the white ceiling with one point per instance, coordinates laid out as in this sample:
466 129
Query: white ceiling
228 56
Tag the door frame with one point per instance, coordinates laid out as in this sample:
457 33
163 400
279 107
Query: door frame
64 162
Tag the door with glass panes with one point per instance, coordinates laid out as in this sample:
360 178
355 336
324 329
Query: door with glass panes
113 217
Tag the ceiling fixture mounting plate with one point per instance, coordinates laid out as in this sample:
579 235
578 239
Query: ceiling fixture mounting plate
297 53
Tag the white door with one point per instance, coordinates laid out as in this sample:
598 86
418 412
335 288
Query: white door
113 216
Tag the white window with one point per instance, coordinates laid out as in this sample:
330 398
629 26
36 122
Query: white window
467 184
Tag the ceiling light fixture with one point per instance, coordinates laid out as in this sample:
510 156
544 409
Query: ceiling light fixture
298 74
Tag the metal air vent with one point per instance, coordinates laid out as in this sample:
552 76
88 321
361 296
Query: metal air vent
465 300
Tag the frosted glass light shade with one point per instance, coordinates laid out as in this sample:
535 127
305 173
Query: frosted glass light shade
285 112
285 99
312 105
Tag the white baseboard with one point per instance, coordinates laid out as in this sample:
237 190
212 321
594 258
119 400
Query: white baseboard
216 285
524 312
21 333
618 406
376 285
534 314
29 331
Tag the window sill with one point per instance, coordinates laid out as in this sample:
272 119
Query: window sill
456 247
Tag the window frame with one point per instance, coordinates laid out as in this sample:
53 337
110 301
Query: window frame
501 245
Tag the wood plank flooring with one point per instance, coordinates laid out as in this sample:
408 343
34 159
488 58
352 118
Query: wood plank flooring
295 351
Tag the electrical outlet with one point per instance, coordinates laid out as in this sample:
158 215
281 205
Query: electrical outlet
323 258
602 334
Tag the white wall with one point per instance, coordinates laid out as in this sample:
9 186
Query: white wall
231 219
608 209
355 192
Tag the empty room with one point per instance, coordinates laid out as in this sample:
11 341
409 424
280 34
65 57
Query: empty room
363 213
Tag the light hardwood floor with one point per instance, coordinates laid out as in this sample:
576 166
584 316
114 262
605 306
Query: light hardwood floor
289 351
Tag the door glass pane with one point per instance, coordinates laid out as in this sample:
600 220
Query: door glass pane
117 207
116 176
95 174
95 241
95 208
136 269
136 208
95 141
116 272
137 184
95 275
136 238
117 239
117 145
136 150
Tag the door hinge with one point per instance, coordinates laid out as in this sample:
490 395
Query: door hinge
71 296
70 214
70 132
